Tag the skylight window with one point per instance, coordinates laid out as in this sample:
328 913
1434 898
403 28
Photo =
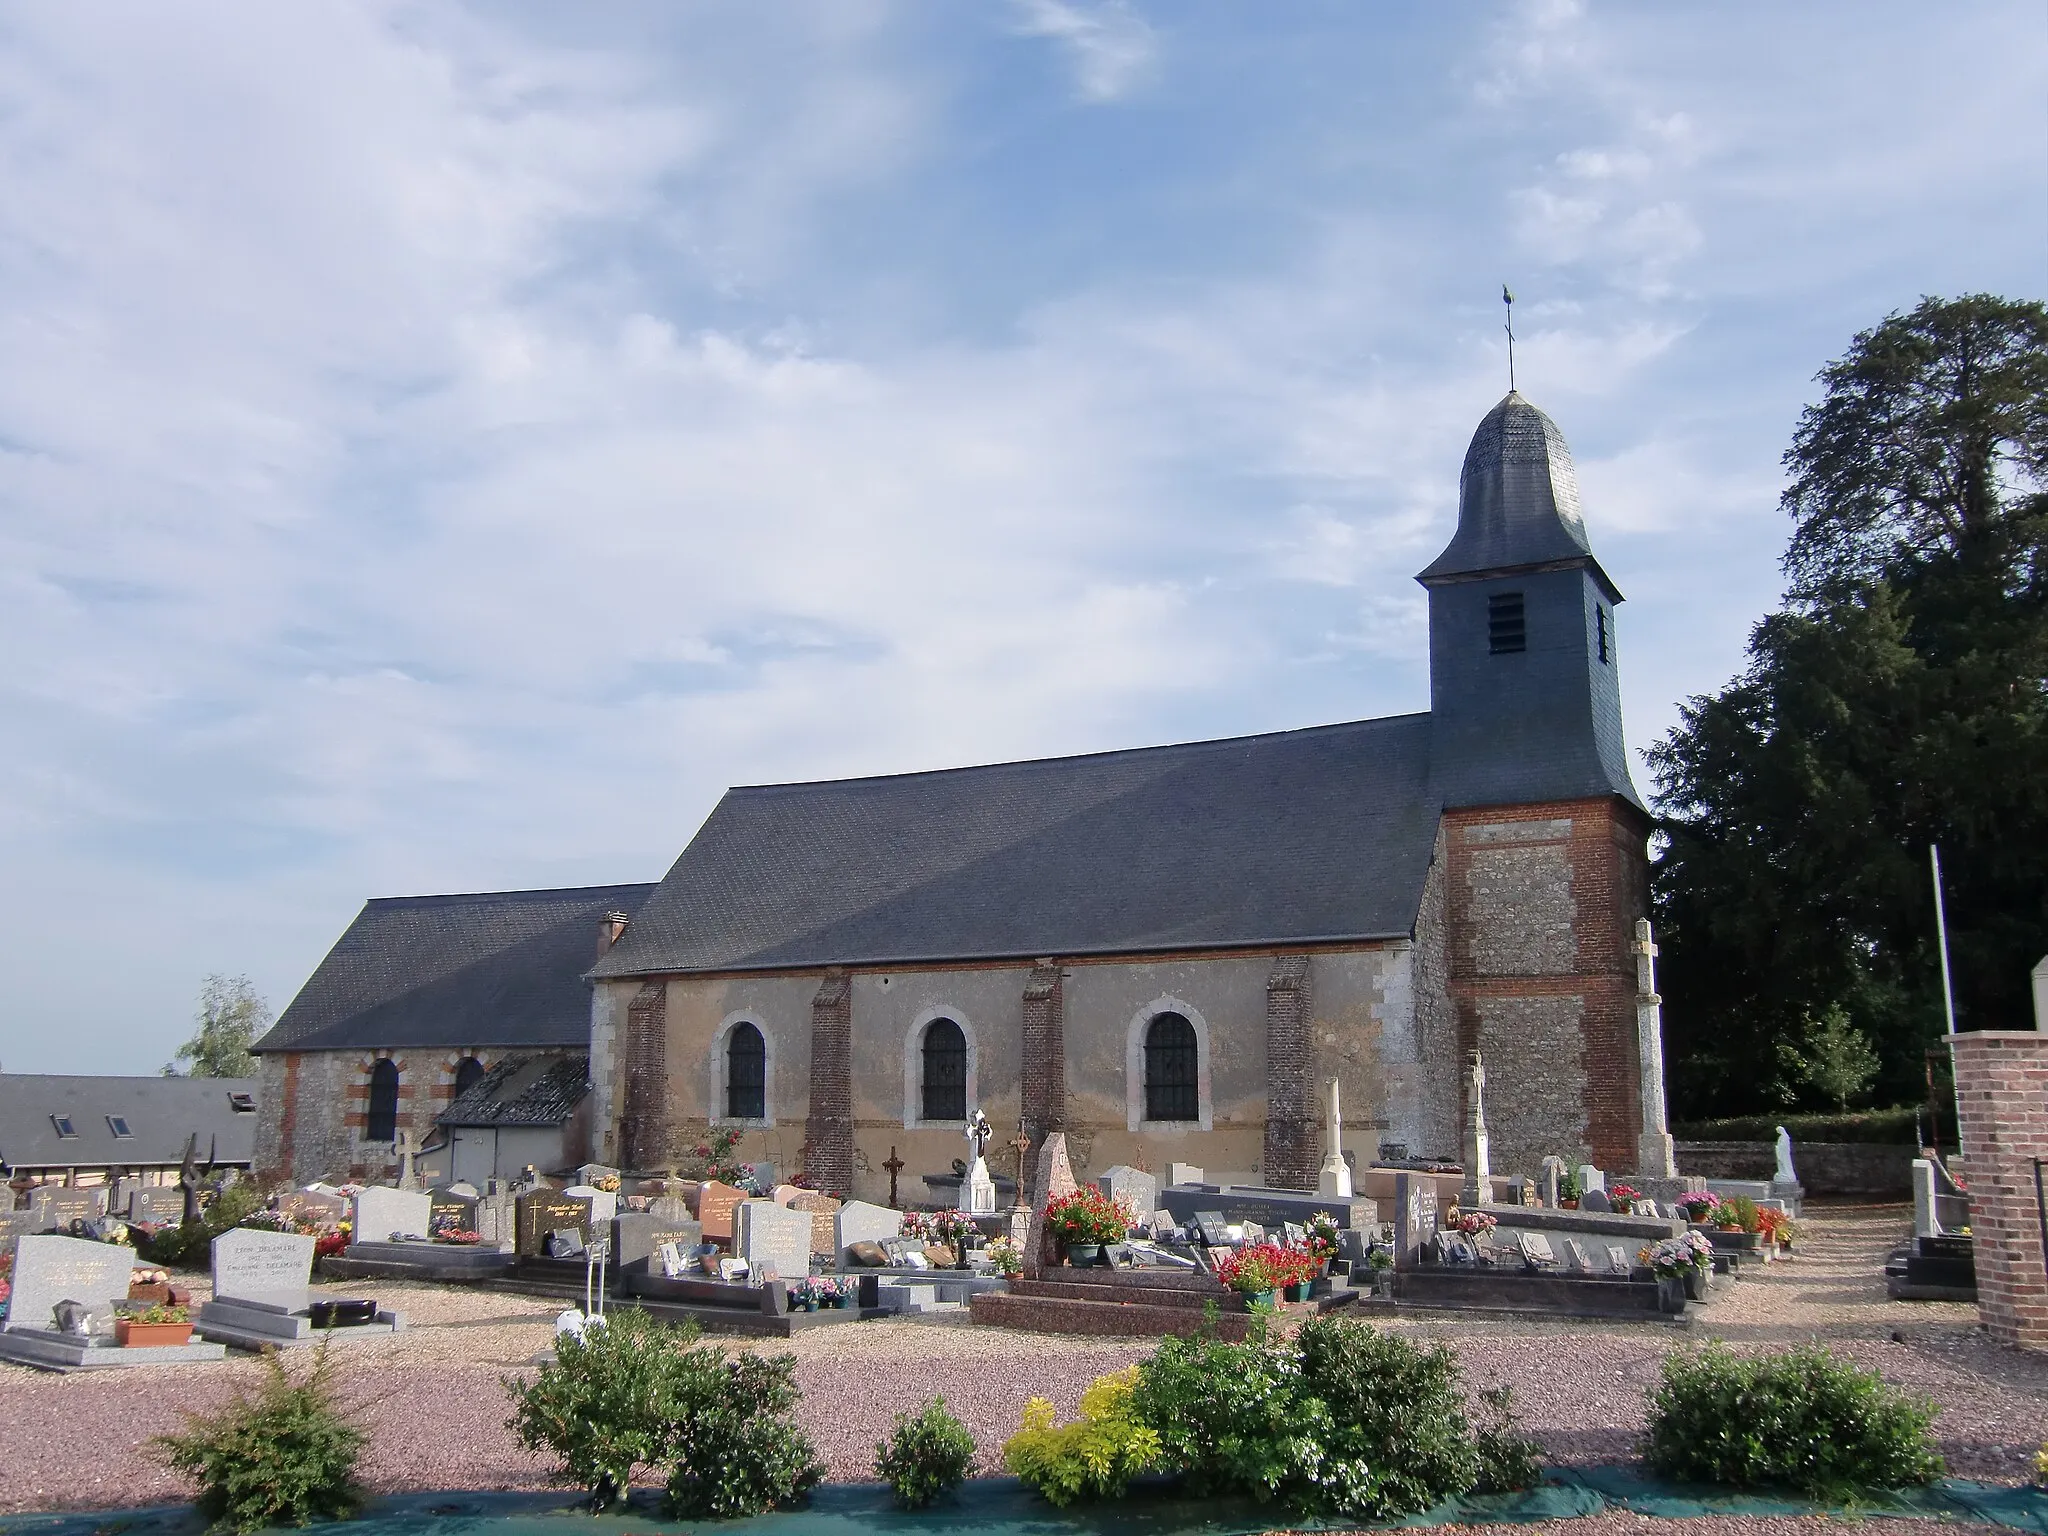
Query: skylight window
66 1131
119 1127
242 1103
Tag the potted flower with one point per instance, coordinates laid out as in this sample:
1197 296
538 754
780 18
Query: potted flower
1300 1268
1250 1272
1379 1264
1685 1260
1623 1198
1005 1255
803 1296
1473 1223
1083 1221
1322 1240
1700 1207
1568 1191
333 1243
830 1292
153 1327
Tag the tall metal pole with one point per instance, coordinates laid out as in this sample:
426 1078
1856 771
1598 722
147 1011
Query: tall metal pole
1948 995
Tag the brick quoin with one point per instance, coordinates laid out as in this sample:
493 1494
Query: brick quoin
829 1130
1606 853
646 1131
2002 1104
1043 1091
1290 1152
288 1123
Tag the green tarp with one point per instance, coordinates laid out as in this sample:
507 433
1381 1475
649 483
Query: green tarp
1004 1507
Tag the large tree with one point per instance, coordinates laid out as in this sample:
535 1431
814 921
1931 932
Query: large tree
231 1016
1899 698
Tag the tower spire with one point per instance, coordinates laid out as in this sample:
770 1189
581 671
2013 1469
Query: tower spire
1508 299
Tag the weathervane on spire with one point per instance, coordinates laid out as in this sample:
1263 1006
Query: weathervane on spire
1509 300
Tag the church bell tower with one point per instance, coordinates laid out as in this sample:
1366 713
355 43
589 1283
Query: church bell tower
1524 696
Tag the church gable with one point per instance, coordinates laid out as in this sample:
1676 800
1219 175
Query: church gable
1293 837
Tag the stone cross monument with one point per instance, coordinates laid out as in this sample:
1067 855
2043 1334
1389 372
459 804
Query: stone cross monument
1335 1178
1656 1158
977 1185
1478 1187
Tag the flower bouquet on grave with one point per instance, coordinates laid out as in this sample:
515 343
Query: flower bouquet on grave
461 1237
1322 1236
1007 1257
609 1184
1775 1225
1085 1220
1701 1207
1623 1198
1473 1223
803 1295
831 1291
1673 1257
1254 1272
330 1244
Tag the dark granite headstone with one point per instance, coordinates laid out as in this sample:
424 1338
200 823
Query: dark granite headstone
542 1211
1415 1217
1595 1200
1214 1229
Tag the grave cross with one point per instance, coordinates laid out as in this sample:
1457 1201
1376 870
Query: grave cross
895 1165
1020 1144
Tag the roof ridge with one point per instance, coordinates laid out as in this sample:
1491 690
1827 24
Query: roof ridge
1209 744
427 898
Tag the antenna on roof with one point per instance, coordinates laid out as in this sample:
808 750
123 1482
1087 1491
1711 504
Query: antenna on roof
1509 300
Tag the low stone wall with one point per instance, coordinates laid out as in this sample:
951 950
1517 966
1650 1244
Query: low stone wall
1851 1168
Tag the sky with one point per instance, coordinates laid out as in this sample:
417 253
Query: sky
442 447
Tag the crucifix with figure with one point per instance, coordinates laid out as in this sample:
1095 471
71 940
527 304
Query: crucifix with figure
895 1165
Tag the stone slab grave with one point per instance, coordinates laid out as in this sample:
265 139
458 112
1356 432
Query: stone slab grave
716 1203
384 1214
260 1293
542 1211
1268 1208
642 1234
774 1240
51 1269
858 1221
1135 1189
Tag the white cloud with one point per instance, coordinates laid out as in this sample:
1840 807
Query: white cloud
1112 48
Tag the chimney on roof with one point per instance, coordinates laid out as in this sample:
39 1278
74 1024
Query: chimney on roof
610 928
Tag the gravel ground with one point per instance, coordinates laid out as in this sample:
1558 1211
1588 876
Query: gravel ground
436 1408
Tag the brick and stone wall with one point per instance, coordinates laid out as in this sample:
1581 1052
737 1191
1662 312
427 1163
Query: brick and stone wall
1291 1154
829 1128
1542 901
312 1107
647 1142
2002 1103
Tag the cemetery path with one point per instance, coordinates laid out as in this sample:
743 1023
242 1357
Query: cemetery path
433 1399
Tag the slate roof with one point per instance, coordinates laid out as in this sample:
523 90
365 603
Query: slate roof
160 1112
1289 837
502 968
523 1090
1518 499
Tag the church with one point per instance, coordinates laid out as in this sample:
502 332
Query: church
1166 952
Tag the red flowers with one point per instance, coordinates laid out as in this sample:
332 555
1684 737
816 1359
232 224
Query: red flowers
1087 1216
1261 1267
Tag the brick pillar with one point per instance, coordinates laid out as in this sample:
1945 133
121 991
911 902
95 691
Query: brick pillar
644 1113
288 1124
829 1159
1291 1158
1045 1058
2002 1102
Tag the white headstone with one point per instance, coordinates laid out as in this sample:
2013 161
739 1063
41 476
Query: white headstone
1185 1173
382 1211
859 1222
768 1234
603 1203
270 1269
48 1270
1590 1179
1925 1222
1137 1189
978 1190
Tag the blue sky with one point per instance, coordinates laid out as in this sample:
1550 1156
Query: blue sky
441 448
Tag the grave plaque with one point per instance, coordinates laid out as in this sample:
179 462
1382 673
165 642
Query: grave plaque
1415 1217
824 1213
1577 1255
859 1222
1456 1248
265 1269
564 1243
1214 1229
1617 1259
55 1206
382 1212
48 1270
157 1205
542 1211
448 1211
716 1203
1295 1236
673 1259
770 1235
1537 1250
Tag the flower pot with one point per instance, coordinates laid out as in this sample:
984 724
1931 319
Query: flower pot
1670 1293
133 1335
1568 1205
1267 1298
1084 1255
832 1303
1298 1291
805 1305
1695 1283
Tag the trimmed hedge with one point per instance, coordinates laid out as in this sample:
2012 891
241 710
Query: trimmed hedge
1883 1127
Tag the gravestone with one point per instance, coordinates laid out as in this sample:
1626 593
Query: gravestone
48 1270
1925 1222
823 1211
497 1219
641 1234
1595 1200
1415 1217
1136 1189
603 1203
1214 1229
542 1211
270 1270
157 1205
1537 1250
763 1174
1184 1173
1577 1254
1052 1175
1553 1180
783 1194
55 1206
308 1205
450 1211
1590 1179
564 1243
857 1221
715 1204
382 1212
1294 1236
770 1236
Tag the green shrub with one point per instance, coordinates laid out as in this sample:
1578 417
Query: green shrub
1233 1418
189 1244
1742 1211
1509 1460
733 1447
926 1456
283 1456
1094 1457
1399 1440
1894 1127
1806 1419
604 1405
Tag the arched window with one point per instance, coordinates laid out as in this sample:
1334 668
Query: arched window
382 1123
1172 1088
945 1071
746 1074
467 1072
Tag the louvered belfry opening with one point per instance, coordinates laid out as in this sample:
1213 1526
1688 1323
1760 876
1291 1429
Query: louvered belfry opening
1172 1091
746 1074
1506 628
945 1071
